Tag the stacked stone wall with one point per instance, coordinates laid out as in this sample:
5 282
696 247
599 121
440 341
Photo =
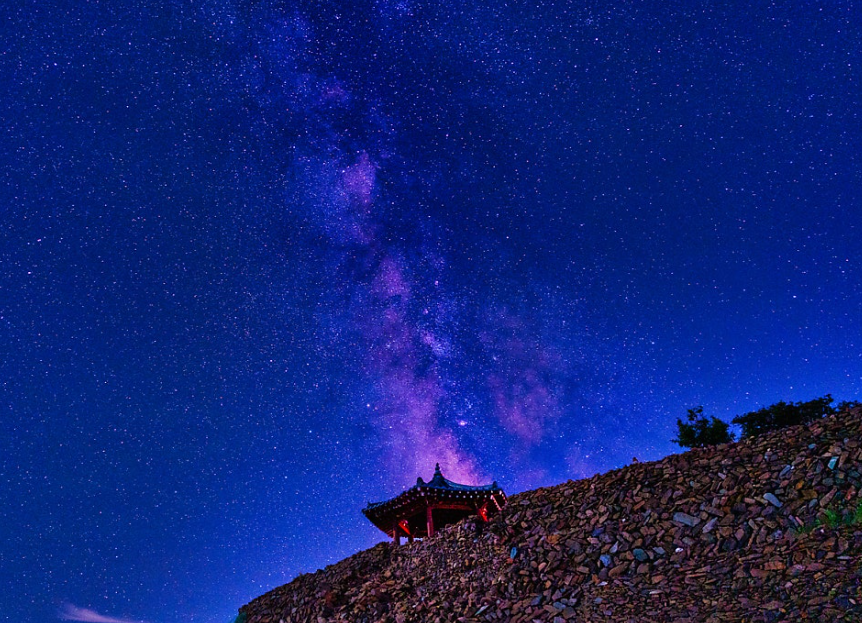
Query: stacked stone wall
759 530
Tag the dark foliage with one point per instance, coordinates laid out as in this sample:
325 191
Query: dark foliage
783 414
701 431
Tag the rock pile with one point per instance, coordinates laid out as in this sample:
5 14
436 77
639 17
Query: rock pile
762 531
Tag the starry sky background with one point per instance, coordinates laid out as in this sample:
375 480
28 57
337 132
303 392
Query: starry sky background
263 262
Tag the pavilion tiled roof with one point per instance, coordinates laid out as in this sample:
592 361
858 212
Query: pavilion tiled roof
438 493
439 485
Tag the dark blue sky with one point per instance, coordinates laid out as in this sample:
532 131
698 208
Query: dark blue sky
263 262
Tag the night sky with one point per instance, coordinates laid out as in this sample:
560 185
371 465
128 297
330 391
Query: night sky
263 262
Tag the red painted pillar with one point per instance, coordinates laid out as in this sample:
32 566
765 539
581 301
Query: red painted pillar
405 526
430 519
396 536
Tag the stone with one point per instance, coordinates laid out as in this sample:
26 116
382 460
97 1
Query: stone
686 519
770 497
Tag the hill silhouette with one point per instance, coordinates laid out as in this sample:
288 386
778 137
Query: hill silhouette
768 529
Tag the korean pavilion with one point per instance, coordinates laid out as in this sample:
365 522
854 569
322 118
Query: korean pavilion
428 506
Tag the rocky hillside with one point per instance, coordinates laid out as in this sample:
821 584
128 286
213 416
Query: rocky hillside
768 529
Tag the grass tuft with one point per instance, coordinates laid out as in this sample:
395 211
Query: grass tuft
835 518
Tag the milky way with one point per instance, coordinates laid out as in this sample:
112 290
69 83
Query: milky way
385 264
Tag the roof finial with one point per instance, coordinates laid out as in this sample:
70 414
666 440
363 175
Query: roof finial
437 471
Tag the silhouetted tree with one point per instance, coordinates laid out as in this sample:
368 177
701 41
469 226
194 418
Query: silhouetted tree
782 414
701 431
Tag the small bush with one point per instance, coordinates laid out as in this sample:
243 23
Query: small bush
701 431
783 414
